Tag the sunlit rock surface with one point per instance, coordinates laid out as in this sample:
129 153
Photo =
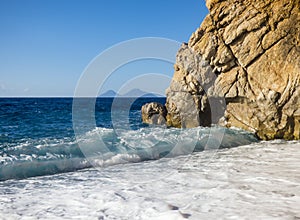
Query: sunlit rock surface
241 68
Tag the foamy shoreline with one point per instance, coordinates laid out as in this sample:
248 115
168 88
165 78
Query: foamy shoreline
258 181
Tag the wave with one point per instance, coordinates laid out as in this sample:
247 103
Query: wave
103 147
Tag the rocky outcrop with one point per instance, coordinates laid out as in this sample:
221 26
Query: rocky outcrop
241 68
154 113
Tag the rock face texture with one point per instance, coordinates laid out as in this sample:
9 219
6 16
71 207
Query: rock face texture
241 68
154 113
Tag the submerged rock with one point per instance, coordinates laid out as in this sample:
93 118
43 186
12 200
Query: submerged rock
154 113
241 68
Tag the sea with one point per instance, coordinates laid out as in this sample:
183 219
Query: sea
93 158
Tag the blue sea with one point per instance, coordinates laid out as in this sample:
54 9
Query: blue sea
64 158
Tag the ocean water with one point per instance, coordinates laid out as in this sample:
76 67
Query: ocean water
94 159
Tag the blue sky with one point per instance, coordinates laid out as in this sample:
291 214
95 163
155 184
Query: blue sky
46 44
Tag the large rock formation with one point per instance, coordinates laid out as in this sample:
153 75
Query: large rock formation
241 68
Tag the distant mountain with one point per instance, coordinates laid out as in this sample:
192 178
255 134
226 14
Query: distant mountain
139 93
131 93
109 93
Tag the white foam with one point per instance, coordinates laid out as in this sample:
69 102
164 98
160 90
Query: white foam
258 181
117 146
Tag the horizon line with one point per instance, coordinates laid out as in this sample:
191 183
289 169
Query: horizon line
82 97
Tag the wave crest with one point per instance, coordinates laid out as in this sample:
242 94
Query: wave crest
34 157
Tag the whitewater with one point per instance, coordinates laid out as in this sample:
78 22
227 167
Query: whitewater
256 181
124 169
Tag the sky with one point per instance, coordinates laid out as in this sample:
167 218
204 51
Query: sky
45 45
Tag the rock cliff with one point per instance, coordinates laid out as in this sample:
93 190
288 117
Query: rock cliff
241 68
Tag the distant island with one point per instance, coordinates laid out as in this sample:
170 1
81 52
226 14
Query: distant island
131 93
109 93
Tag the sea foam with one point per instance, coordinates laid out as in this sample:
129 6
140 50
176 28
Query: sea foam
104 147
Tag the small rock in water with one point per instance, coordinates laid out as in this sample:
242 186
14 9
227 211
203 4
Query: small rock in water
173 207
154 113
